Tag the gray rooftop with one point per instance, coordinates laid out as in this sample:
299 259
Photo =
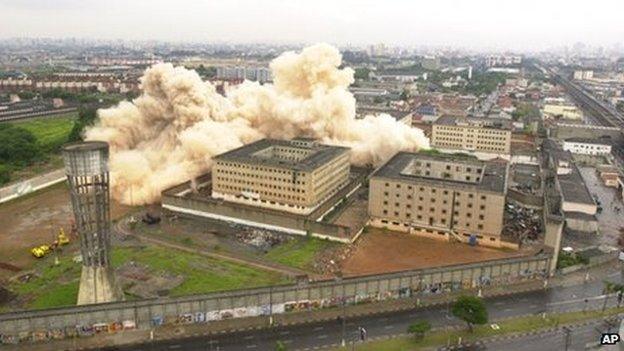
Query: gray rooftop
480 122
320 154
573 188
493 180
595 141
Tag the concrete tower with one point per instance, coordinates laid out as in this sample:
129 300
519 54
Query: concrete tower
86 166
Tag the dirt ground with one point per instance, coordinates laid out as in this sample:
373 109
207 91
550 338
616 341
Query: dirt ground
35 220
379 251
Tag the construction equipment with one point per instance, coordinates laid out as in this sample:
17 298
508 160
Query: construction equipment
42 250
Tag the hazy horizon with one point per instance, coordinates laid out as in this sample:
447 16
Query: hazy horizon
483 24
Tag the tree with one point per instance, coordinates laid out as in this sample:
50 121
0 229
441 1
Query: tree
86 117
18 147
5 174
419 329
362 73
471 310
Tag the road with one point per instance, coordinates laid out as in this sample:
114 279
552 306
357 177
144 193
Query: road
300 337
579 339
26 186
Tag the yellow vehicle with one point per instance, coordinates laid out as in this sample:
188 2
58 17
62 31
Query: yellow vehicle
62 239
40 251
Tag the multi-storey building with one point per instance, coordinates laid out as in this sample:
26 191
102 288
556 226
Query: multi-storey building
472 134
294 176
440 197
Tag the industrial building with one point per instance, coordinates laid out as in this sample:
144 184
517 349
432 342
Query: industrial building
440 197
294 176
472 134
587 146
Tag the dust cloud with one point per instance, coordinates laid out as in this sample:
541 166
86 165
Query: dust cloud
170 133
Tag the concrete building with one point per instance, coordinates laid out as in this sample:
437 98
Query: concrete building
440 197
472 134
586 146
294 176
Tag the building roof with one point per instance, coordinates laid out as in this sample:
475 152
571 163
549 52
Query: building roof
595 141
320 154
493 179
573 188
481 122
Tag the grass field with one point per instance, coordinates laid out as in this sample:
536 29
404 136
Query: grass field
515 325
298 253
201 274
51 132
57 285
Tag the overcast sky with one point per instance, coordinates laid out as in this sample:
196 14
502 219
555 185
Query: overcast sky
520 24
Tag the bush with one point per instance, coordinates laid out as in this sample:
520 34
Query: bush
419 329
5 174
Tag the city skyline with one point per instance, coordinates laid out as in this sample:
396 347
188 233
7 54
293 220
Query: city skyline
480 25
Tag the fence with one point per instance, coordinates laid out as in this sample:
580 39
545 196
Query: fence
24 326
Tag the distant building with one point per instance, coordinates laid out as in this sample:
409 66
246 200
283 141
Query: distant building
472 134
294 176
586 146
259 74
431 63
440 197
583 75
502 60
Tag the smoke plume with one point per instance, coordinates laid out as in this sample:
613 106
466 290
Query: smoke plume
170 133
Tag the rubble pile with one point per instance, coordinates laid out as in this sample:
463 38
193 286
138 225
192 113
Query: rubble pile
521 223
261 239
329 262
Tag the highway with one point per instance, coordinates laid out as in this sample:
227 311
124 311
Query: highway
301 337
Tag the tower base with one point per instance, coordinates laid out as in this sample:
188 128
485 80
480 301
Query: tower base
98 285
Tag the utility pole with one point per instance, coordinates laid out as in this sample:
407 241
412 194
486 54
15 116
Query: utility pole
344 322
567 332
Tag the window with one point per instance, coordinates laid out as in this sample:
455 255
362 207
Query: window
482 197
396 213
385 202
387 184
481 217
480 226
482 207
386 193
385 212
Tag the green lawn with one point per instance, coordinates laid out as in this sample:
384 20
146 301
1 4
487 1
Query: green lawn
298 253
201 274
51 132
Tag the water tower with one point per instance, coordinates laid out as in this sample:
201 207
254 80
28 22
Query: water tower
86 167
